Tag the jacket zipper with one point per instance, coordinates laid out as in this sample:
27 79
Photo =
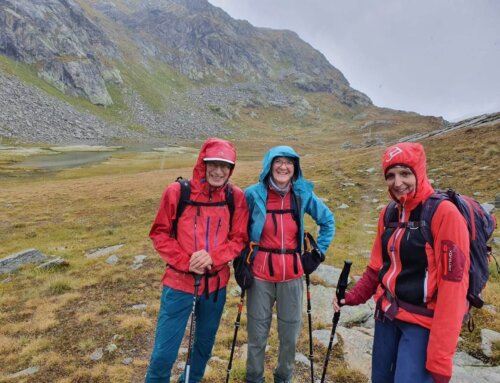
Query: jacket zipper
393 252
207 231
283 237
195 231
425 284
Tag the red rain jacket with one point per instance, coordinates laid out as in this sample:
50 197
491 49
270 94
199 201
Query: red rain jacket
205 227
447 277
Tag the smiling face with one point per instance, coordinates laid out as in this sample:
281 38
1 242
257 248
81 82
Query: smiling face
400 181
217 173
282 171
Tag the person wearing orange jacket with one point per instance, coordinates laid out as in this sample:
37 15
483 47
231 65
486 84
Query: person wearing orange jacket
420 291
203 241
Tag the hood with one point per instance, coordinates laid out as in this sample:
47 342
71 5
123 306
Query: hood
411 155
280 151
213 148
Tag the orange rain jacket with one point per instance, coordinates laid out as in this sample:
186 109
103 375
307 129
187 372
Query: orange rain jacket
446 277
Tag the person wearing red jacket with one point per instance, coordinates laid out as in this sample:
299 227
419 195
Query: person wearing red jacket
206 238
277 206
420 291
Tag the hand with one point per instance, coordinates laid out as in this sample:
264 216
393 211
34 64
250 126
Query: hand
200 262
335 303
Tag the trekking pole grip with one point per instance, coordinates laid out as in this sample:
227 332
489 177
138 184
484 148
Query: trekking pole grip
343 280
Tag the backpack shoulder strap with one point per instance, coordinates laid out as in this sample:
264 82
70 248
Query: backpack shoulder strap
230 203
391 215
429 207
183 201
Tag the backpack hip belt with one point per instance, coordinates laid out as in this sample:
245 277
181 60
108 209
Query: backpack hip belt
395 303
271 251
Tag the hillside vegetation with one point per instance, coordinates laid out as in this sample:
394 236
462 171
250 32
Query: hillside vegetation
56 319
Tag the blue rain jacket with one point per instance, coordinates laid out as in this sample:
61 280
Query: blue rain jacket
256 196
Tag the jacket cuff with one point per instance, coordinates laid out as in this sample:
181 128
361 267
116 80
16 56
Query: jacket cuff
438 378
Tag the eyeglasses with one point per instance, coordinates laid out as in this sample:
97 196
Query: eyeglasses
282 161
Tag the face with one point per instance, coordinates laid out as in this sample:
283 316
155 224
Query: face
217 173
282 171
400 181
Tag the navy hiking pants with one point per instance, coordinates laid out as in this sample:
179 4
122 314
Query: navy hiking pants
399 353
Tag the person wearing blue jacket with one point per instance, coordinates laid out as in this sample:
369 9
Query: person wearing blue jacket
277 204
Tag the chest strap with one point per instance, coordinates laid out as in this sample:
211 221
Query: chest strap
270 251
273 213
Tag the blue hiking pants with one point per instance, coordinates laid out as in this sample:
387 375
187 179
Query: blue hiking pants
399 353
175 309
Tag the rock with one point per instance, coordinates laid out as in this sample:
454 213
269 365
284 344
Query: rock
26 372
137 263
96 253
127 361
343 206
488 207
370 170
301 358
497 201
53 263
140 306
15 261
112 260
323 336
328 275
469 369
97 354
347 184
357 348
488 337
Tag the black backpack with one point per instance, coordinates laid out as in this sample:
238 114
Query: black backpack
184 200
480 224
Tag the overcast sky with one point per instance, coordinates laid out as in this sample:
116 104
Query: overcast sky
434 57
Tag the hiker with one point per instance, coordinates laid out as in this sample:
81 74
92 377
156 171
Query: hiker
202 242
277 204
420 291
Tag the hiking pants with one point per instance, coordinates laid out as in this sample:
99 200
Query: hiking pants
175 309
399 353
261 298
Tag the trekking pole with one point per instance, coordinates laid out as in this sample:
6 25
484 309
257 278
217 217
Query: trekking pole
308 295
192 326
236 327
340 292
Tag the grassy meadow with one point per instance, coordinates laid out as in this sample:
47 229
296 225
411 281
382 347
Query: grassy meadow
56 319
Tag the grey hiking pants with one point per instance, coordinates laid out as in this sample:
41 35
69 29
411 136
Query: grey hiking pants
261 298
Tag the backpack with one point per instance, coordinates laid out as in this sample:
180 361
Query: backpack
480 224
184 201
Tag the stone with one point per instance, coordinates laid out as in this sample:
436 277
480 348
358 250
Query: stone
127 361
488 337
357 348
100 252
26 372
15 261
323 336
53 263
112 260
343 206
97 354
488 207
